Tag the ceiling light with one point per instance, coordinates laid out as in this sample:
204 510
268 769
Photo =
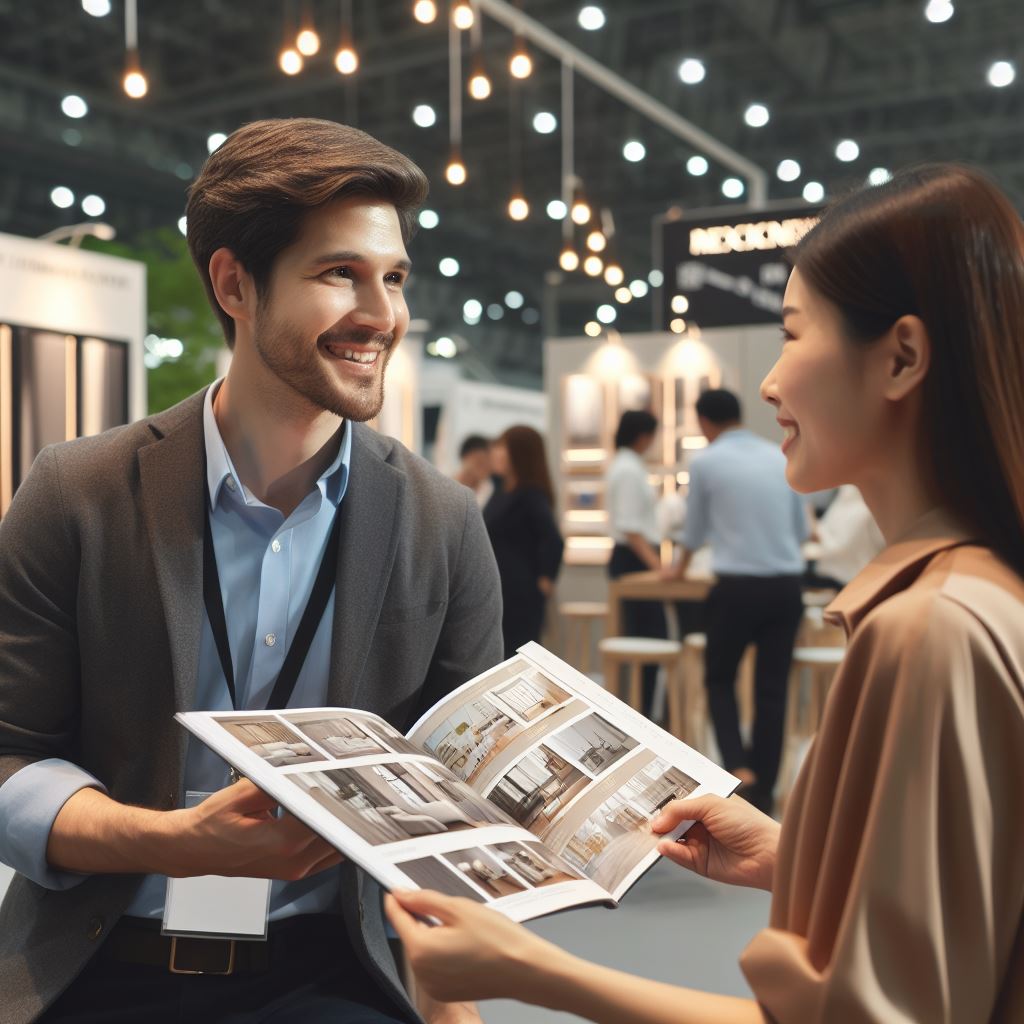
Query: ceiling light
756 115
135 84
446 348
596 241
183 225
638 288
607 314
568 260
938 11
680 304
424 11
429 219
697 166
479 86
623 295
847 151
814 192
448 266
290 61
691 71
677 326
788 170
518 208
544 123
556 209
580 212
62 197
423 115
346 60
97 8
655 278
514 299
74 106
591 18
520 65
732 188
592 329
1001 74
879 176
307 42
613 275
462 15
634 151
93 206
472 309
593 265
455 172
215 141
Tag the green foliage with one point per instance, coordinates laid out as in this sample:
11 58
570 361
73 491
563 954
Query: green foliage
177 308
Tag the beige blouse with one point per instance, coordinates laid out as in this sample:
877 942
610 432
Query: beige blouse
899 887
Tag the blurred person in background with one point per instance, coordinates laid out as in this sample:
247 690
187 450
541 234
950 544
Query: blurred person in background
633 523
521 523
475 470
740 503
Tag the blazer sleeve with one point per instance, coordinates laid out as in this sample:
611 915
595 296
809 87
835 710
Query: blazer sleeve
900 883
39 665
470 641
550 545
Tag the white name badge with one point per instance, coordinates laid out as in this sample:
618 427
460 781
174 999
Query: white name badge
214 906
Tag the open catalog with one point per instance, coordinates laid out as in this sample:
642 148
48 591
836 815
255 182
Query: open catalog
529 788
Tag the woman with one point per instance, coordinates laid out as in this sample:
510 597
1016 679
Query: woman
632 520
523 532
897 880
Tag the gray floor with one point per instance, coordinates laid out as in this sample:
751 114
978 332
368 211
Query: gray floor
672 926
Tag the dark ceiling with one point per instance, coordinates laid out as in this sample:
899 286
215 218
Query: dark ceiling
873 70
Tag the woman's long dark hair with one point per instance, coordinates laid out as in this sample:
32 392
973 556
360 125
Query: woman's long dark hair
943 243
527 459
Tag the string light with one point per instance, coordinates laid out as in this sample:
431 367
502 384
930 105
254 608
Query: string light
580 212
596 241
290 61
520 65
424 11
568 260
455 172
592 329
614 276
307 42
623 295
479 85
593 265
518 208
462 15
346 60
135 84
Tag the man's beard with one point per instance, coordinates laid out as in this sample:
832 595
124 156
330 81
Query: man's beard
306 371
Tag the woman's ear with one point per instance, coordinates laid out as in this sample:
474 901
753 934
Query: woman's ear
907 352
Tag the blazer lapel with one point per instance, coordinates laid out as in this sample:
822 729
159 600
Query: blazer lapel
171 473
370 512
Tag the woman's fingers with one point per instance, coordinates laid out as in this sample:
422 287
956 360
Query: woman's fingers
679 811
428 903
401 920
686 855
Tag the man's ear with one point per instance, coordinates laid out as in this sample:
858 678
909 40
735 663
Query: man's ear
233 286
907 352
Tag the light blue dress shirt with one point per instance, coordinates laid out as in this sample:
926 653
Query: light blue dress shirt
739 503
267 564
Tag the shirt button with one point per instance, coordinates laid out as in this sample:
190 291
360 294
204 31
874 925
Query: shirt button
270 639
275 546
231 483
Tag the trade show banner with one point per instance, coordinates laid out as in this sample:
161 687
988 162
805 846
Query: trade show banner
729 266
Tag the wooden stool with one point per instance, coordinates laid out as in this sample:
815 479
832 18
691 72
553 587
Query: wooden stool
636 652
822 663
578 621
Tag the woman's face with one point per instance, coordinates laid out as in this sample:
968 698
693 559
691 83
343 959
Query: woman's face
499 458
822 389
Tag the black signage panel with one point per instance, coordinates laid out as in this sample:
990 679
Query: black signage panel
730 267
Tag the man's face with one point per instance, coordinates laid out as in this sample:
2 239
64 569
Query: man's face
335 308
478 464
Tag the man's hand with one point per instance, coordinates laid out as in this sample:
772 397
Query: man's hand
232 832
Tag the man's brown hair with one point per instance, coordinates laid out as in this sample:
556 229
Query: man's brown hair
254 191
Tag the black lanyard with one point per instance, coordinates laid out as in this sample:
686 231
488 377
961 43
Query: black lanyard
284 687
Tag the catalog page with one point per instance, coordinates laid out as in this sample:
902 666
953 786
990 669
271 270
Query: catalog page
572 764
406 819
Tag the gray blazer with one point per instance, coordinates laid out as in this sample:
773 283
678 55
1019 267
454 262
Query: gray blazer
100 618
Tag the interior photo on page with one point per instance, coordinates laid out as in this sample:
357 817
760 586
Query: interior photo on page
529 788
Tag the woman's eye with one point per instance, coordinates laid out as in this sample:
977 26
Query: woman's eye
396 279
339 272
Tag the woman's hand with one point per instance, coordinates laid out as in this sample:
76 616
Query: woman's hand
476 953
730 841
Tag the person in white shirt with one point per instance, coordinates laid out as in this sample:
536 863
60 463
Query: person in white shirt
848 536
632 520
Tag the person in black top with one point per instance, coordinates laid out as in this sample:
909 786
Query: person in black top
523 532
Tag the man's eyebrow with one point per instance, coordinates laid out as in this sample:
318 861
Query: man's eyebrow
355 257
788 311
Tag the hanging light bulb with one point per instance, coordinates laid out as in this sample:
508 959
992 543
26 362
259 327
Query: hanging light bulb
568 260
596 241
135 84
479 85
424 11
455 172
462 15
580 211
307 42
614 276
593 265
290 61
518 207
346 60
134 81
520 65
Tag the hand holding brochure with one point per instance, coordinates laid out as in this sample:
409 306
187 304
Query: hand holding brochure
529 788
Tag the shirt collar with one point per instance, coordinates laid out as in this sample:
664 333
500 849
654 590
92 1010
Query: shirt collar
897 567
332 483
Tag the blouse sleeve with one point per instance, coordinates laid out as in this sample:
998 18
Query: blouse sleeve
900 881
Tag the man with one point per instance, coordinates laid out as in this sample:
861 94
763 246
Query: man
117 547
475 470
740 503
